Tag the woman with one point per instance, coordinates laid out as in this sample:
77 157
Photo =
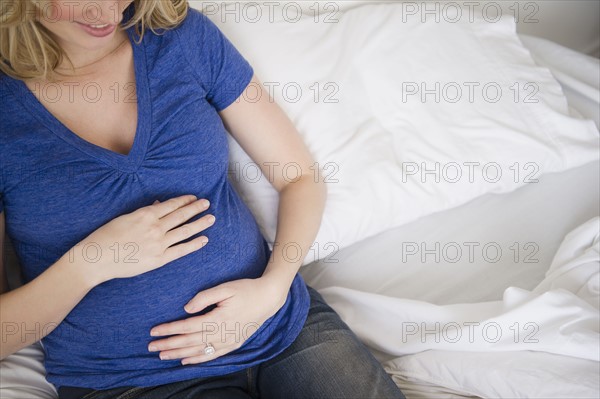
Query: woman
112 136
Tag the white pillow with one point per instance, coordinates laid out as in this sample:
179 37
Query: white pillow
375 140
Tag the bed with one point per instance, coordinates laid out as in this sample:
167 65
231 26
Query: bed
460 288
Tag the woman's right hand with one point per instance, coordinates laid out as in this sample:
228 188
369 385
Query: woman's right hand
143 240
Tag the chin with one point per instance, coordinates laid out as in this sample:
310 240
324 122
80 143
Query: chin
92 43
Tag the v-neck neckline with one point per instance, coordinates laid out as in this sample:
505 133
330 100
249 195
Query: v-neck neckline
126 163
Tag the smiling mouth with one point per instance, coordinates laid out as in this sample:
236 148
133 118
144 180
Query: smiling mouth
95 26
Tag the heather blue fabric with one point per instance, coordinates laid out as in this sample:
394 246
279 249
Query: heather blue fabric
57 188
327 360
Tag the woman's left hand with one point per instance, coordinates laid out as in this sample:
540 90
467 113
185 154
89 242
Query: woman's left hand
242 307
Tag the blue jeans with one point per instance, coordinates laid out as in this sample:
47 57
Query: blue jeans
327 360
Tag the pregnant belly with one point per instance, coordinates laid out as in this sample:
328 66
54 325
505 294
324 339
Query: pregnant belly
110 328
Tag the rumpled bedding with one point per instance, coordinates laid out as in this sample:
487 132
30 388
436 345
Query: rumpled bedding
560 316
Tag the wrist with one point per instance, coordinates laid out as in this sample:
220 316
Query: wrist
83 272
279 275
277 287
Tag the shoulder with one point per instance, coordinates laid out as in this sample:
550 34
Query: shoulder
184 39
194 19
195 30
12 111
3 84
19 127
194 23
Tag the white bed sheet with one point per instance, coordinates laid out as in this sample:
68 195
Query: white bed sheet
536 217
541 213
577 73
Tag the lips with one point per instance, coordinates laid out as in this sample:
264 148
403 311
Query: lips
98 30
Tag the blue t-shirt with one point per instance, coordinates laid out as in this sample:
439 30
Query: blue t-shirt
56 188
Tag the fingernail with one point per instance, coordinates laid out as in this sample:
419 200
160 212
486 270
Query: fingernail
205 203
164 357
154 333
152 348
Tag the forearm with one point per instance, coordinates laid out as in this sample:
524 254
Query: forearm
270 138
33 310
301 205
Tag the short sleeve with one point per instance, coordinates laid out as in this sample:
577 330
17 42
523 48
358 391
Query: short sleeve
220 67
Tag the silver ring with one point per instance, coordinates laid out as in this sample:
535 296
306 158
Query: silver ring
210 349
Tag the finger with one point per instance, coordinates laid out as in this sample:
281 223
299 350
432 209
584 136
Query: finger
171 205
208 297
205 358
187 230
196 351
155 202
183 249
176 342
183 214
186 326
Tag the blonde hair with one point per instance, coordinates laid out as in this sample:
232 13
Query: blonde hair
28 51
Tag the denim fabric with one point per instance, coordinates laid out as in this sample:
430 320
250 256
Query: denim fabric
326 360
